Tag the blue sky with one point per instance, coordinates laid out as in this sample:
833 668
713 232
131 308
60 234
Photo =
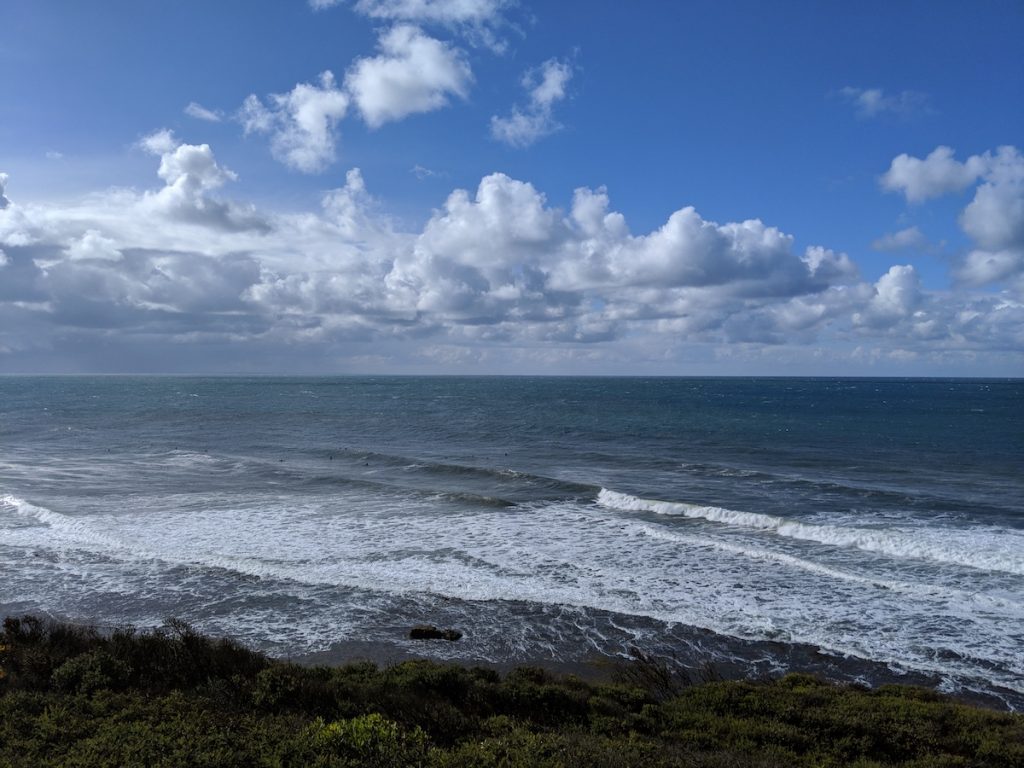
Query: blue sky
492 186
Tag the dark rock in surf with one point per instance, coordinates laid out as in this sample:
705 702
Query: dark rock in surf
430 632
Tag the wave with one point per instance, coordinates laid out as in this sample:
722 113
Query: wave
616 500
952 500
926 591
77 530
473 498
424 466
421 563
346 465
81 532
402 490
989 550
365 574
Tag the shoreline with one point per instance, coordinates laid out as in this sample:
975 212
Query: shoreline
692 653
597 668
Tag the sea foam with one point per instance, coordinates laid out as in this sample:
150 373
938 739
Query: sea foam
563 554
988 549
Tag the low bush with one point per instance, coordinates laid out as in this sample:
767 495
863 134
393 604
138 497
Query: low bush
74 696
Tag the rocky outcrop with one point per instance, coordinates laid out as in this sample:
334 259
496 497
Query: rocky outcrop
430 632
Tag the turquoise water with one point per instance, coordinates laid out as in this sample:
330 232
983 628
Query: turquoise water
873 529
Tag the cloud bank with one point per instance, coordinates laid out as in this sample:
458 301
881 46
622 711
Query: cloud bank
178 273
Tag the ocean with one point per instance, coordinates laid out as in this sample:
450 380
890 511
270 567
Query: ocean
868 530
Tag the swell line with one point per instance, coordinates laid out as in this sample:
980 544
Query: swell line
989 550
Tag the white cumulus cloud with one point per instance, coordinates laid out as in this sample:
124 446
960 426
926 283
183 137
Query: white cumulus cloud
413 73
497 273
936 175
93 245
994 219
190 172
545 87
302 123
828 266
896 294
188 167
4 200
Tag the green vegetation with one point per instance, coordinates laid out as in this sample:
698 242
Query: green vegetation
70 696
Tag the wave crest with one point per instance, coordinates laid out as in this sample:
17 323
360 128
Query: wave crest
988 550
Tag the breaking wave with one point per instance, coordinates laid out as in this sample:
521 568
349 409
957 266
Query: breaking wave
987 549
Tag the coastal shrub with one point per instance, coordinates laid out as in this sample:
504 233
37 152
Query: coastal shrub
522 748
90 672
661 677
34 648
534 694
370 740
449 682
356 689
289 687
172 657
173 730
202 658
446 700
77 697
374 740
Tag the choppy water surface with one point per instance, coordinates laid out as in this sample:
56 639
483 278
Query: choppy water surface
870 529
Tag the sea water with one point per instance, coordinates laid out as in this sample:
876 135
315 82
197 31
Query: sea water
866 529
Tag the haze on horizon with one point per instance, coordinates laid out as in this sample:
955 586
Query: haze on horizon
505 186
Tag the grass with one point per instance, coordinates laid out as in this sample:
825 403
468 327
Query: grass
70 696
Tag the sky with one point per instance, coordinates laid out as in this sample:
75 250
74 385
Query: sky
512 187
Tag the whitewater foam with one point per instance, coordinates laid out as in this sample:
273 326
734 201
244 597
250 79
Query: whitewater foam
553 554
941 593
988 549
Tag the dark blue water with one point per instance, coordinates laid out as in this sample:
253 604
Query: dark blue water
875 526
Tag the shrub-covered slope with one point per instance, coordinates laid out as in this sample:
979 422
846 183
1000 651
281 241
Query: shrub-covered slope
70 696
